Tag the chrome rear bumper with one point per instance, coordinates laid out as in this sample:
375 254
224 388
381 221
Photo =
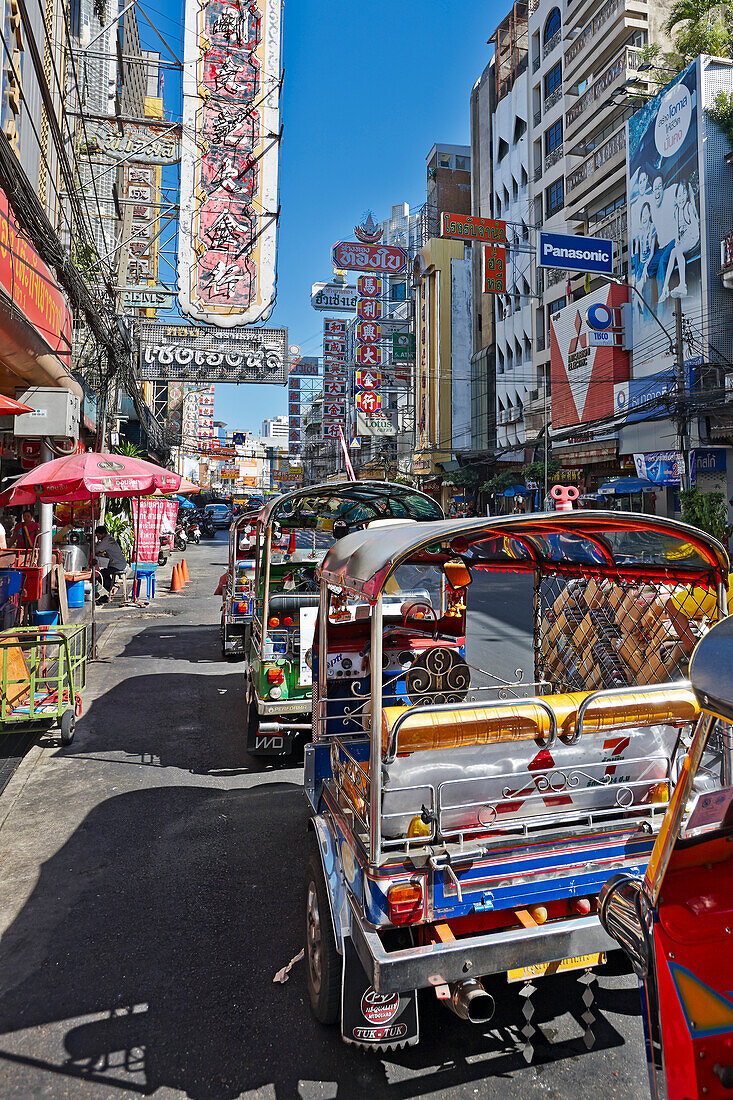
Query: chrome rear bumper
474 956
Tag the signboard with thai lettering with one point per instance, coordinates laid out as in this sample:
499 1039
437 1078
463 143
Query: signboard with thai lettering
206 354
333 297
30 285
403 347
229 160
494 270
146 143
466 227
385 258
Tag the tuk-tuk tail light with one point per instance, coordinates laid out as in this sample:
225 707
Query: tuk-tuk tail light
275 676
405 903
273 622
660 792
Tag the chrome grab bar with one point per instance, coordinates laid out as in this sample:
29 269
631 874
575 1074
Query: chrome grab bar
619 693
445 707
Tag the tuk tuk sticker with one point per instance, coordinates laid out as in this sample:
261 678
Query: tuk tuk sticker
324 523
308 617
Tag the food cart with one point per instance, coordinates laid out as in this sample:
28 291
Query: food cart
676 922
293 533
238 587
42 674
464 825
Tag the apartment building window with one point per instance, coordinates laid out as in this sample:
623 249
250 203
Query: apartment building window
520 129
463 164
554 197
553 79
552 26
443 160
553 137
503 149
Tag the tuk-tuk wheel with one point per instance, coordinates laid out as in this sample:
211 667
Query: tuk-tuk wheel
323 962
68 726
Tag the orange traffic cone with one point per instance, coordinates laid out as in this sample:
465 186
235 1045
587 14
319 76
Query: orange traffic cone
176 579
184 569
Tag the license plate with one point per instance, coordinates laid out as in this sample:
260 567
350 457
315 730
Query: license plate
540 970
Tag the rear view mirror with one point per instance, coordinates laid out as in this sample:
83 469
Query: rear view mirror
624 913
457 574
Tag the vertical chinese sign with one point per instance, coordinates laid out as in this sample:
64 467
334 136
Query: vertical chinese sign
295 445
334 377
229 161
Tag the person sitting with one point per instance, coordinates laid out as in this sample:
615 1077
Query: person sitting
109 548
25 531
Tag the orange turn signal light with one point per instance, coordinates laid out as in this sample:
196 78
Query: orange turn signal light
273 622
405 903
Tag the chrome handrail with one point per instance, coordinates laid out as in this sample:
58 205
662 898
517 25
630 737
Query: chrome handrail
442 708
619 693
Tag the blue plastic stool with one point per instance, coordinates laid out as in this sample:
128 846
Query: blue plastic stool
147 575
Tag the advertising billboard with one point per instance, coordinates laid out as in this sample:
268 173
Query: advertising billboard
575 253
664 216
229 160
584 375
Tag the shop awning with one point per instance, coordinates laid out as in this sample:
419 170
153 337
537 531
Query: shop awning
627 485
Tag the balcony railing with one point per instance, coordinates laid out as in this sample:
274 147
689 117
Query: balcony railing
535 64
538 173
553 98
553 157
550 45
538 117
610 148
627 59
591 29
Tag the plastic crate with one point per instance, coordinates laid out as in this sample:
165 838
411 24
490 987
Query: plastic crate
15 581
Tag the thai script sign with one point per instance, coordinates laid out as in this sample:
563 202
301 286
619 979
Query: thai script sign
333 297
149 143
197 354
494 270
466 227
385 258
229 160
30 285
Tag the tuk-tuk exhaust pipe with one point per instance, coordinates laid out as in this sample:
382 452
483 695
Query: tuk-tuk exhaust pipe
470 1001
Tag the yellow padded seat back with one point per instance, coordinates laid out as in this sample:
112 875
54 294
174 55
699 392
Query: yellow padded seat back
525 721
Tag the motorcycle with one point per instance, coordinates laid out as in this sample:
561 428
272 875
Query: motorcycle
164 547
207 527
193 531
180 539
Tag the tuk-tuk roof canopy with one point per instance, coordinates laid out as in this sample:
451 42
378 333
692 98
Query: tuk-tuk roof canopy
572 543
354 502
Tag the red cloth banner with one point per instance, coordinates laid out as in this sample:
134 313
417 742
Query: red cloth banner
148 516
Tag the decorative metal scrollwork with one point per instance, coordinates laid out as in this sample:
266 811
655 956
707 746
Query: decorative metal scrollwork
438 676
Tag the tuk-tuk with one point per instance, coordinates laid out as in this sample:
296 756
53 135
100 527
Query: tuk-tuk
465 823
293 533
238 587
676 923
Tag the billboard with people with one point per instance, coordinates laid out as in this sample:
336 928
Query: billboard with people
664 216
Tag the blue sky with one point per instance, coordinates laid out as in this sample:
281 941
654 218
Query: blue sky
369 88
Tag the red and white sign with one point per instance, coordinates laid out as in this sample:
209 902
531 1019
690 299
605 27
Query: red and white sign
354 256
369 355
30 285
368 401
148 514
368 379
334 376
379 1008
369 309
583 376
368 332
369 286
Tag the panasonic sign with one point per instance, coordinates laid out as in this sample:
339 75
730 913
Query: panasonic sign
593 254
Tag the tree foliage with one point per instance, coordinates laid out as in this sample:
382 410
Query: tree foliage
701 26
706 511
721 112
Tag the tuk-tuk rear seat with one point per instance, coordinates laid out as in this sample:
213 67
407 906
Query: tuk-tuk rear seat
487 724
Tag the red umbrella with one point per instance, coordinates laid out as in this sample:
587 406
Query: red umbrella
85 476
8 406
92 474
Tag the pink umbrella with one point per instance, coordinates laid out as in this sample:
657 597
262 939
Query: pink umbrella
92 474
86 476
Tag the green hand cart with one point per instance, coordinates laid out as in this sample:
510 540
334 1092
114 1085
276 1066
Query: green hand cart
43 671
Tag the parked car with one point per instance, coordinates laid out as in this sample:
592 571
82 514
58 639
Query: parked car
220 515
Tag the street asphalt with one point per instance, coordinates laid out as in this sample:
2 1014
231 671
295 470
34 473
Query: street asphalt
151 887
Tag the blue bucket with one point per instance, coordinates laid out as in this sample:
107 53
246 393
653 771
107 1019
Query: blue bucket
15 581
46 618
75 593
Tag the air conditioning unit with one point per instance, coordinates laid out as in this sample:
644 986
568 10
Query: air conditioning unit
56 413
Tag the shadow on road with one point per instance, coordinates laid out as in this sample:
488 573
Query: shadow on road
167 914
